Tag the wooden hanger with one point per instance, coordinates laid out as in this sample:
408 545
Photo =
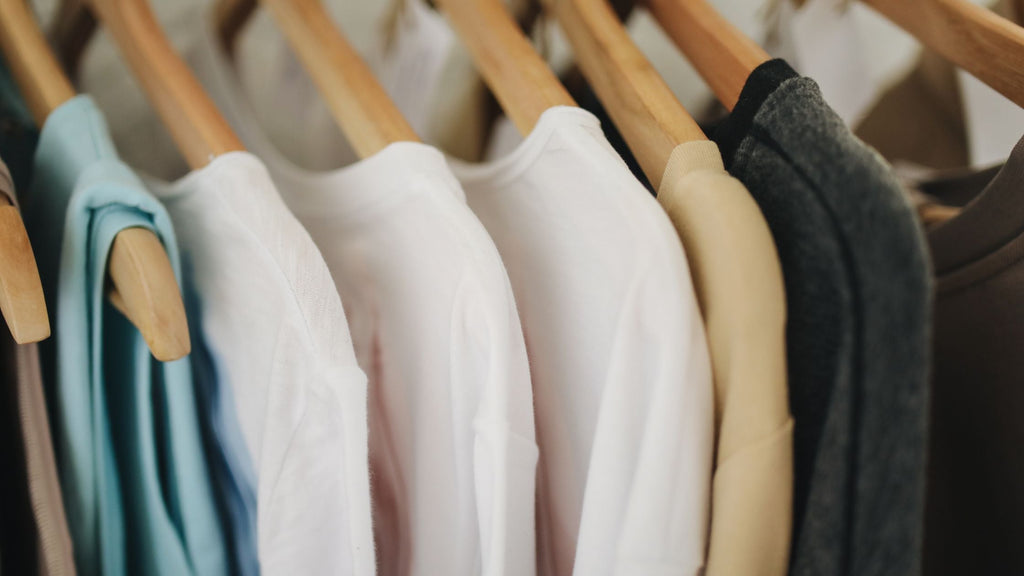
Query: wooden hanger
520 79
974 38
359 104
144 286
722 54
195 124
979 41
21 293
643 107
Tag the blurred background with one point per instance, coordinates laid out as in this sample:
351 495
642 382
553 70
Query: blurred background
918 111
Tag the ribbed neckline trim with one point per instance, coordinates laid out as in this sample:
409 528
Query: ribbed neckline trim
193 181
986 226
690 157
763 81
513 164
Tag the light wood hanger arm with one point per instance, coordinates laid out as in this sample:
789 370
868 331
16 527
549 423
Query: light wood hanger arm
146 292
979 41
520 79
359 104
195 124
645 110
974 38
722 54
21 293
40 79
144 288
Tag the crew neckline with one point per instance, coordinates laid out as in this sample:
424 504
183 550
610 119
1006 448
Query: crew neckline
508 167
977 238
759 86
222 81
187 184
689 157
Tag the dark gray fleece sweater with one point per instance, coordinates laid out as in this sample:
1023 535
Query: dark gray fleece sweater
859 304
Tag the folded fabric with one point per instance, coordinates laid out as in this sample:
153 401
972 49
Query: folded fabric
133 471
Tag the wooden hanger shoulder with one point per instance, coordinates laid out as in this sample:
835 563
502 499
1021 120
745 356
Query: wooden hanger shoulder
645 110
520 79
359 104
150 291
146 292
974 38
722 54
21 292
195 124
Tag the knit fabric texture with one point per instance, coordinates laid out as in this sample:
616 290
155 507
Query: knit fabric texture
859 299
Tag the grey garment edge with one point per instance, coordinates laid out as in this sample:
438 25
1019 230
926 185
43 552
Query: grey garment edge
859 300
56 557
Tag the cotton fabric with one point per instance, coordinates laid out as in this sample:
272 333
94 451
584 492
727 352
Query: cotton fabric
738 280
858 299
133 472
975 509
452 443
274 334
621 375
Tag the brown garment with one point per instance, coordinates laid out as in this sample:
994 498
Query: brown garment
975 503
34 536
738 280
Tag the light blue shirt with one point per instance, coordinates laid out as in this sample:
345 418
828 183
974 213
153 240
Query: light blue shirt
134 475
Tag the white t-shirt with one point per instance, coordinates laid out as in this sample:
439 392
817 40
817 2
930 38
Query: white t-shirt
452 444
276 330
620 366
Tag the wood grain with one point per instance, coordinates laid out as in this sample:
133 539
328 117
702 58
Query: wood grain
143 277
520 79
143 280
722 54
976 39
643 107
359 104
21 293
37 73
195 124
